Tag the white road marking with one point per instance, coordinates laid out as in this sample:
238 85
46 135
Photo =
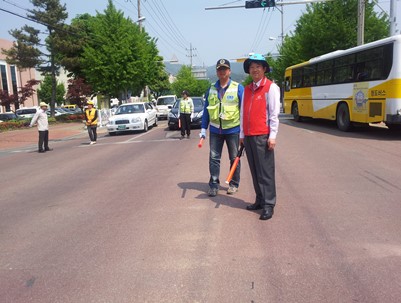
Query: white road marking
138 136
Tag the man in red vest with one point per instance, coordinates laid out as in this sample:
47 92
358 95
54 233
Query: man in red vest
258 130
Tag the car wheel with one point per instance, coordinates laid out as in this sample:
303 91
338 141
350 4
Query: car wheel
145 126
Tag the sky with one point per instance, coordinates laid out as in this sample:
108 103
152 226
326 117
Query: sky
185 30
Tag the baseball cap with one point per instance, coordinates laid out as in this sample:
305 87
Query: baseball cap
223 63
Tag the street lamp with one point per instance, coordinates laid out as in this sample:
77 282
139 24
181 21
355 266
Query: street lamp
169 61
139 21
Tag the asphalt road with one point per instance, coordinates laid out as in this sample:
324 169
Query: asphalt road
128 220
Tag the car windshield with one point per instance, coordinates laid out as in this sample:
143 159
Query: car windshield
165 101
130 109
197 102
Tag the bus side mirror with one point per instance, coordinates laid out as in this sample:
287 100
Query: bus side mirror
287 86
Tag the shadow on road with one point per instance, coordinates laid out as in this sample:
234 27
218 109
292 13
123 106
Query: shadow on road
330 128
221 199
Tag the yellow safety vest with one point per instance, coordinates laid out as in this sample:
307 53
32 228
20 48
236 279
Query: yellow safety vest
224 112
91 117
186 106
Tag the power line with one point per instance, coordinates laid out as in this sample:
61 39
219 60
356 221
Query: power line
167 28
262 36
179 32
16 5
160 37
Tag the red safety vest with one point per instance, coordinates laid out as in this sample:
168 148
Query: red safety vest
255 109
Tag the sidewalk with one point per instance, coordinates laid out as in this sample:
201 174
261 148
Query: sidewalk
29 136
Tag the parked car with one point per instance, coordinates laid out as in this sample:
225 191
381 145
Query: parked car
8 116
164 104
66 110
27 113
70 106
57 112
132 116
198 113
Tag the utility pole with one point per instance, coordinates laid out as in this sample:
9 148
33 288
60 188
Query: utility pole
361 22
190 53
394 29
139 15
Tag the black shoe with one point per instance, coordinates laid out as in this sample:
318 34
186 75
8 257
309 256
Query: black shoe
48 149
41 151
254 207
267 214
182 137
213 191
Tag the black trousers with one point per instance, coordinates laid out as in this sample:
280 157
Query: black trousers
185 124
261 164
92 131
43 140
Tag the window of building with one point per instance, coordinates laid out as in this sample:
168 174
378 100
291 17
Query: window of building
4 84
14 78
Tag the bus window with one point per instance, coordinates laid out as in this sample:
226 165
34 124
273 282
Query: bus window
309 75
343 69
296 78
324 72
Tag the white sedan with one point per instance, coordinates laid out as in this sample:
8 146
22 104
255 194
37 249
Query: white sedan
132 116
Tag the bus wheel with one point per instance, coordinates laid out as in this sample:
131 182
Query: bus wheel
343 119
295 112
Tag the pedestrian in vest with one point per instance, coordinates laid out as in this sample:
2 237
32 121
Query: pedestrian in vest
259 127
222 112
91 121
186 113
40 119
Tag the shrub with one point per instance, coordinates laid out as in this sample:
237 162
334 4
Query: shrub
18 124
70 118
14 124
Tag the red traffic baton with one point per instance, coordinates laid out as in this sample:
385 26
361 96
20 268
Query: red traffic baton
235 164
201 142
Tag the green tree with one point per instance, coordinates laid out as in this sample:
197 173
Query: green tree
201 87
160 84
51 14
186 81
119 59
45 91
24 54
70 47
326 27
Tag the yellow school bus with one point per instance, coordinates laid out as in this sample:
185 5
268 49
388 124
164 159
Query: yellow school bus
358 85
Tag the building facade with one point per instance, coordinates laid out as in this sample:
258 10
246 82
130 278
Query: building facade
12 79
